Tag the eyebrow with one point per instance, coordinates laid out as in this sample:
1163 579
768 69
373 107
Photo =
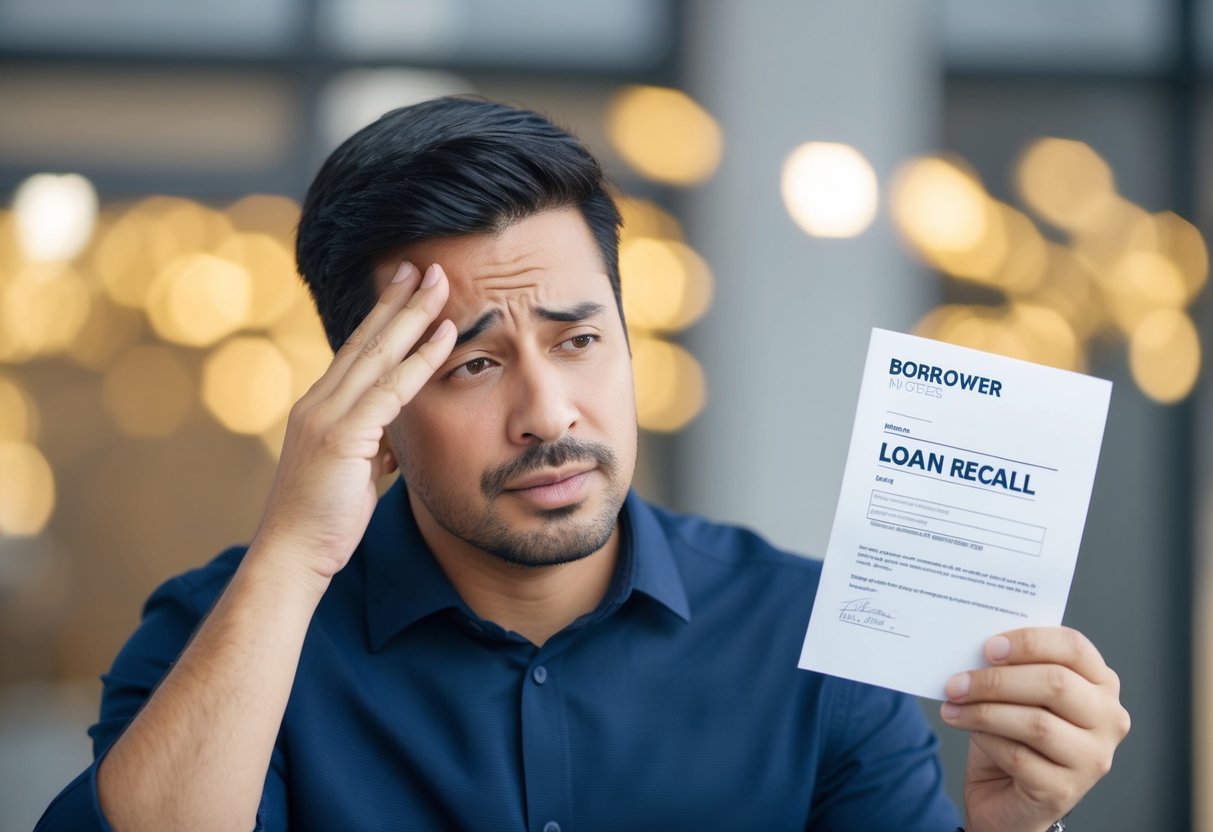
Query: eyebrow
580 312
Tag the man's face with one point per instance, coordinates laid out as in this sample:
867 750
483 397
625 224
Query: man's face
523 443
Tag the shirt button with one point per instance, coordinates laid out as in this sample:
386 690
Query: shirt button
540 675
551 825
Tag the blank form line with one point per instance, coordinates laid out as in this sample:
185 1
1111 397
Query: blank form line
908 416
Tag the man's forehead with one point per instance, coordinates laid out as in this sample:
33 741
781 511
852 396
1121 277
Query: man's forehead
514 257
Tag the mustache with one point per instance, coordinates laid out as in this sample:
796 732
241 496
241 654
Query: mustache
548 455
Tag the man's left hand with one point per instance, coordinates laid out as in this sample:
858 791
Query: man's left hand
1044 722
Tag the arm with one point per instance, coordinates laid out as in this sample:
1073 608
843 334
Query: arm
882 769
197 754
1045 720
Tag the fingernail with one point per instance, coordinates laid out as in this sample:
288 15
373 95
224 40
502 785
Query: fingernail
998 648
958 686
405 271
431 277
443 329
949 710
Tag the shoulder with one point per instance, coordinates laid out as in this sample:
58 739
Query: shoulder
723 560
730 545
198 588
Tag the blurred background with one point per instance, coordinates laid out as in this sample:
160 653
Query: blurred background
1025 178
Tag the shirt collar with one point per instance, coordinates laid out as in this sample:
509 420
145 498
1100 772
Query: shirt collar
404 583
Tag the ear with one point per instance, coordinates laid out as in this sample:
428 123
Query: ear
385 460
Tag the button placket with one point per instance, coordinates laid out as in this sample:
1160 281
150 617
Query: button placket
545 747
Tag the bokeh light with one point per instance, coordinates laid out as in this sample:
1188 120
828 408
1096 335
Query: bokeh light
943 211
1066 183
107 332
1182 243
645 218
246 384
1164 355
1138 284
198 299
670 388
54 216
18 412
664 134
265 214
829 189
271 269
42 308
666 285
27 490
148 391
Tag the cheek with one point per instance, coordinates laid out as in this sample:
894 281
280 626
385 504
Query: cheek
426 435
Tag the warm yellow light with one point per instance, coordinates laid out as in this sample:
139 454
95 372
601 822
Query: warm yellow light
123 260
10 258
645 218
267 214
670 388
148 391
666 285
1138 284
941 208
27 490
300 336
1047 336
1069 288
1065 182
272 271
829 189
1164 355
246 384
1026 261
18 413
109 330
198 299
272 439
180 226
1183 244
1121 227
42 309
664 134
978 327
54 216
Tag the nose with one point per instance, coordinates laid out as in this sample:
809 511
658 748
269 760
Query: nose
542 405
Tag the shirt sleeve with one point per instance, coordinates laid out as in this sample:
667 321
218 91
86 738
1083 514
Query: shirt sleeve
882 768
170 616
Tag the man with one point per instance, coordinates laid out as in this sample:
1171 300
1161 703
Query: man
511 639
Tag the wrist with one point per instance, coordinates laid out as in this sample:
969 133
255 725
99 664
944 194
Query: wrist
283 566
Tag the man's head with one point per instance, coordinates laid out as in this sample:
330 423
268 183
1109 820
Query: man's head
523 442
442 168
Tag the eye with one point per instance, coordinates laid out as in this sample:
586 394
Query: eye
579 342
470 369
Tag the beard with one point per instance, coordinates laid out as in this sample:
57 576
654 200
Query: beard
564 536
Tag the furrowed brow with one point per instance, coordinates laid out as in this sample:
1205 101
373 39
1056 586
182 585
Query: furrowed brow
477 329
580 312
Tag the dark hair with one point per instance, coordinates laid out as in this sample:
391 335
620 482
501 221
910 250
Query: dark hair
441 168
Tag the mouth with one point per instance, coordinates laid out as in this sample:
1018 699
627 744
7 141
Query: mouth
553 489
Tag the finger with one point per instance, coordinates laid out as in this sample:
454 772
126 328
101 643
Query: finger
389 346
1053 686
1039 729
396 388
394 296
1044 783
1050 645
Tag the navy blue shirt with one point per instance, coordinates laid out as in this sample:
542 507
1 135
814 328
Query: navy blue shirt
676 704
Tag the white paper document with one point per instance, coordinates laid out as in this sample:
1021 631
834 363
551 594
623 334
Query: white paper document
961 511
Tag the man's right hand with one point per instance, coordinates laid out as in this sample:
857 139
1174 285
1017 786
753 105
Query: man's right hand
335 449
196 754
